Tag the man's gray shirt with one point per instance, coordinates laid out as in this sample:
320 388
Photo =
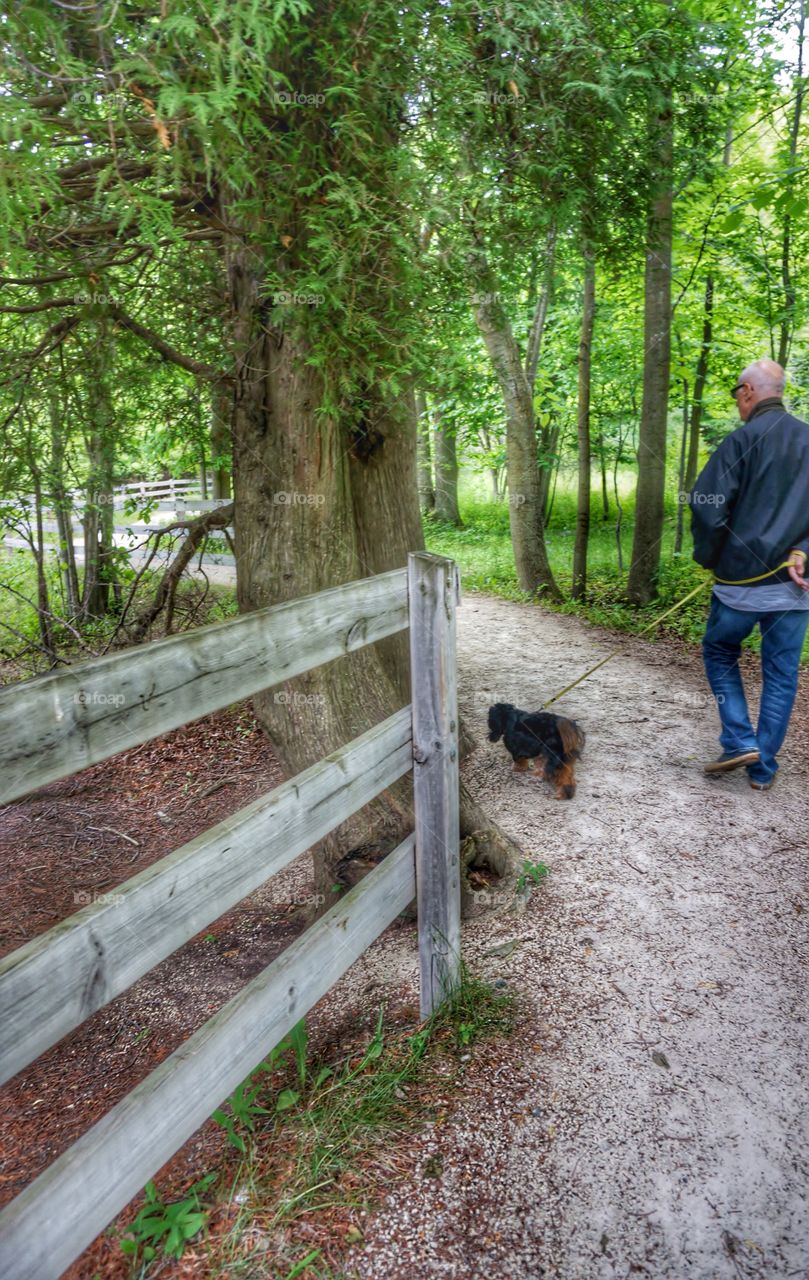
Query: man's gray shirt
774 597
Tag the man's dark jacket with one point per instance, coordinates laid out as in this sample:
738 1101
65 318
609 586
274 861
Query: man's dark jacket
750 504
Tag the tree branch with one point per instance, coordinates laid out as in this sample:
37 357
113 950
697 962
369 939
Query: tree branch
164 349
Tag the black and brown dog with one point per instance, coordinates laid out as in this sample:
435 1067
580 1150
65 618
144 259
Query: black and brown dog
546 745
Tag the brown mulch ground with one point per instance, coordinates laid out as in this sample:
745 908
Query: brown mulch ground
86 835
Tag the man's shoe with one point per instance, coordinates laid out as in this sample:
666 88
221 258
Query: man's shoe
731 760
762 786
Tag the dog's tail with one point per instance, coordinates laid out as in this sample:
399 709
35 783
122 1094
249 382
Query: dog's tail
499 716
572 738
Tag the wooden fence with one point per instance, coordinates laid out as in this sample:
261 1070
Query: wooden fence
55 725
175 499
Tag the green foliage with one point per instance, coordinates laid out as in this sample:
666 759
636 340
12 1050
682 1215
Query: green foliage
171 1225
532 873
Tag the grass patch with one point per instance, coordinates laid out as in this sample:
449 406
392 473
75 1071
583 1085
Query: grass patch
317 1144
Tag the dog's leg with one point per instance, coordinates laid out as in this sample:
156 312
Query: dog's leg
521 766
565 780
540 765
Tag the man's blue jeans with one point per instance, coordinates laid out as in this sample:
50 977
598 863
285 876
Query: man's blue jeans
782 636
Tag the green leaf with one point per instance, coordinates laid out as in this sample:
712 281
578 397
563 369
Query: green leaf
286 1099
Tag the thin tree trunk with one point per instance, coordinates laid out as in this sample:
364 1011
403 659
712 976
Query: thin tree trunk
63 505
649 502
583 427
549 467
790 298
525 510
700 379
681 487
537 330
99 515
44 618
423 453
220 439
602 463
620 510
446 471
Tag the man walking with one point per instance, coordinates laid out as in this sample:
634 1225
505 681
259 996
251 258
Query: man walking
749 514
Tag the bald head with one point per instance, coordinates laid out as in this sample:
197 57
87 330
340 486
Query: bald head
761 380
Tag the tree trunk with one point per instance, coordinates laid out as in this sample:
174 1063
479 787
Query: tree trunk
99 516
425 467
446 471
649 502
790 297
602 464
549 467
585 482
320 501
700 379
220 438
38 545
534 573
537 330
63 506
681 488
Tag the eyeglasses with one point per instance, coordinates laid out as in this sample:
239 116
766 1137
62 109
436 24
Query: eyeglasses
737 389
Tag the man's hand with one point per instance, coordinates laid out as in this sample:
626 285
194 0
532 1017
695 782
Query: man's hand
797 569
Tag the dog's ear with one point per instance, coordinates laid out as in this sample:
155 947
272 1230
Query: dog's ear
571 735
498 719
495 724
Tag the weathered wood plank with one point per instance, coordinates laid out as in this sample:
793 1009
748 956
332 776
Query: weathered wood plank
54 982
433 591
57 724
59 1214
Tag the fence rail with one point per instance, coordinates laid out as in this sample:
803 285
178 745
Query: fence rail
55 725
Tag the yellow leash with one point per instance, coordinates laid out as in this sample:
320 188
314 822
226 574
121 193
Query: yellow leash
617 653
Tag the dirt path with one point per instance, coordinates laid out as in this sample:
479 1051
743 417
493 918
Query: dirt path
651 1117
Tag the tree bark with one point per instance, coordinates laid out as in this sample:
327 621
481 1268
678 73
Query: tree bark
446 471
319 501
99 516
220 439
424 459
787 326
63 505
585 484
700 379
649 502
526 512
537 330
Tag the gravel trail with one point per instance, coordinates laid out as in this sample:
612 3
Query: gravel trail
651 1116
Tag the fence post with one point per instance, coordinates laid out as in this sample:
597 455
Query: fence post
433 590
